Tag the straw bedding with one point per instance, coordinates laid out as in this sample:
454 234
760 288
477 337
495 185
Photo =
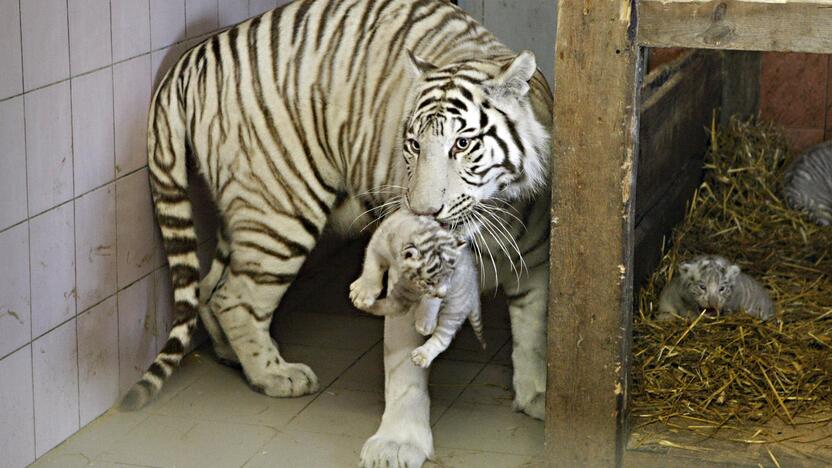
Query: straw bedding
734 372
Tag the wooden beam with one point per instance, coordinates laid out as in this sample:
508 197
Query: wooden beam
796 26
597 74
678 101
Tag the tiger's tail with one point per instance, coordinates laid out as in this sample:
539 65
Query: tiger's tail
167 164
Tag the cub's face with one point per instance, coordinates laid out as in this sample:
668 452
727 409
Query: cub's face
709 281
429 261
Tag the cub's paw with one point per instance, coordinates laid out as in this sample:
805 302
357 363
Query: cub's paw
380 452
426 326
420 358
363 293
285 380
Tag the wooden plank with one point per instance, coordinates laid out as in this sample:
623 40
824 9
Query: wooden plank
740 84
598 69
678 101
802 26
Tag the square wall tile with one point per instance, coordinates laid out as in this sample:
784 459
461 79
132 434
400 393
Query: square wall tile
164 306
17 434
163 60
792 87
131 28
98 359
167 22
131 88
89 35
232 12
13 197
45 42
138 246
256 7
15 316
95 246
55 366
48 147
201 16
92 130
136 331
11 74
52 252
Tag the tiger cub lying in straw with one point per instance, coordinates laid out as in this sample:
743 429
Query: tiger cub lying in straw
431 270
807 184
711 282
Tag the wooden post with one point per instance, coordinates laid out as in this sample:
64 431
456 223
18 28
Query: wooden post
597 75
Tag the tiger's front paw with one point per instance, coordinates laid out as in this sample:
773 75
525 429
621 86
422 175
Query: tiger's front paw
363 293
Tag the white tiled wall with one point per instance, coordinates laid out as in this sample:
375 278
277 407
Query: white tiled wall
85 298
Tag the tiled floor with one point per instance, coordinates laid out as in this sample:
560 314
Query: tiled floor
208 417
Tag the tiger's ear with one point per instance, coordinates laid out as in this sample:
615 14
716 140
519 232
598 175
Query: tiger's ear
514 80
685 268
460 241
416 66
732 272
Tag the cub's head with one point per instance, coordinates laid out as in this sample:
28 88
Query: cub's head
429 258
471 136
709 280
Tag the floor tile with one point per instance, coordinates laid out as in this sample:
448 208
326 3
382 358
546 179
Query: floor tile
491 387
167 441
223 394
96 437
465 346
309 450
347 412
329 331
454 458
17 436
492 428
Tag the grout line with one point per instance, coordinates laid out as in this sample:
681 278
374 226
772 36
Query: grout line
28 236
74 225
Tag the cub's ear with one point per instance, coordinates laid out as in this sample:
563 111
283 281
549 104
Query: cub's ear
514 80
417 67
732 271
459 241
685 268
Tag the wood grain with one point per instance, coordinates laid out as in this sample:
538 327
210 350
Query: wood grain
598 69
795 26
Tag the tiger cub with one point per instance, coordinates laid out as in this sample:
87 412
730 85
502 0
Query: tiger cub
807 184
431 272
712 282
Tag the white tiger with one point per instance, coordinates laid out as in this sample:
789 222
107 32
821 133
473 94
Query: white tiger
807 183
431 272
307 110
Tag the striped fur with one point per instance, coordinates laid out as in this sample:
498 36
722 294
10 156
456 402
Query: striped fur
432 273
808 184
304 112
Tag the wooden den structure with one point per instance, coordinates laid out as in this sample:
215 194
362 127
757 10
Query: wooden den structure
628 151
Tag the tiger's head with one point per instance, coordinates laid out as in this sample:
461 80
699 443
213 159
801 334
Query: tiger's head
471 136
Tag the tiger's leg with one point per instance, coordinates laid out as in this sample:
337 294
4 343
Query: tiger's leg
527 306
256 280
404 438
207 286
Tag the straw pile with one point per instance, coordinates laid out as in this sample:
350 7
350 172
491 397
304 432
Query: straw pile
733 371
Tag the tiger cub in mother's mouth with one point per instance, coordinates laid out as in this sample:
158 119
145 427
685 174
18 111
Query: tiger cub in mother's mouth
712 282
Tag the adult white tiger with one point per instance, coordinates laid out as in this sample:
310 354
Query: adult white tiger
305 110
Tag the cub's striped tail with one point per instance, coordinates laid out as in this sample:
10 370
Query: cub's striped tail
167 163
476 323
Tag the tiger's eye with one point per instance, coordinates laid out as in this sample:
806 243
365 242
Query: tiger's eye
413 144
462 143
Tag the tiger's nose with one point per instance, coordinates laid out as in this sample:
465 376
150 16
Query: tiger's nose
421 207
